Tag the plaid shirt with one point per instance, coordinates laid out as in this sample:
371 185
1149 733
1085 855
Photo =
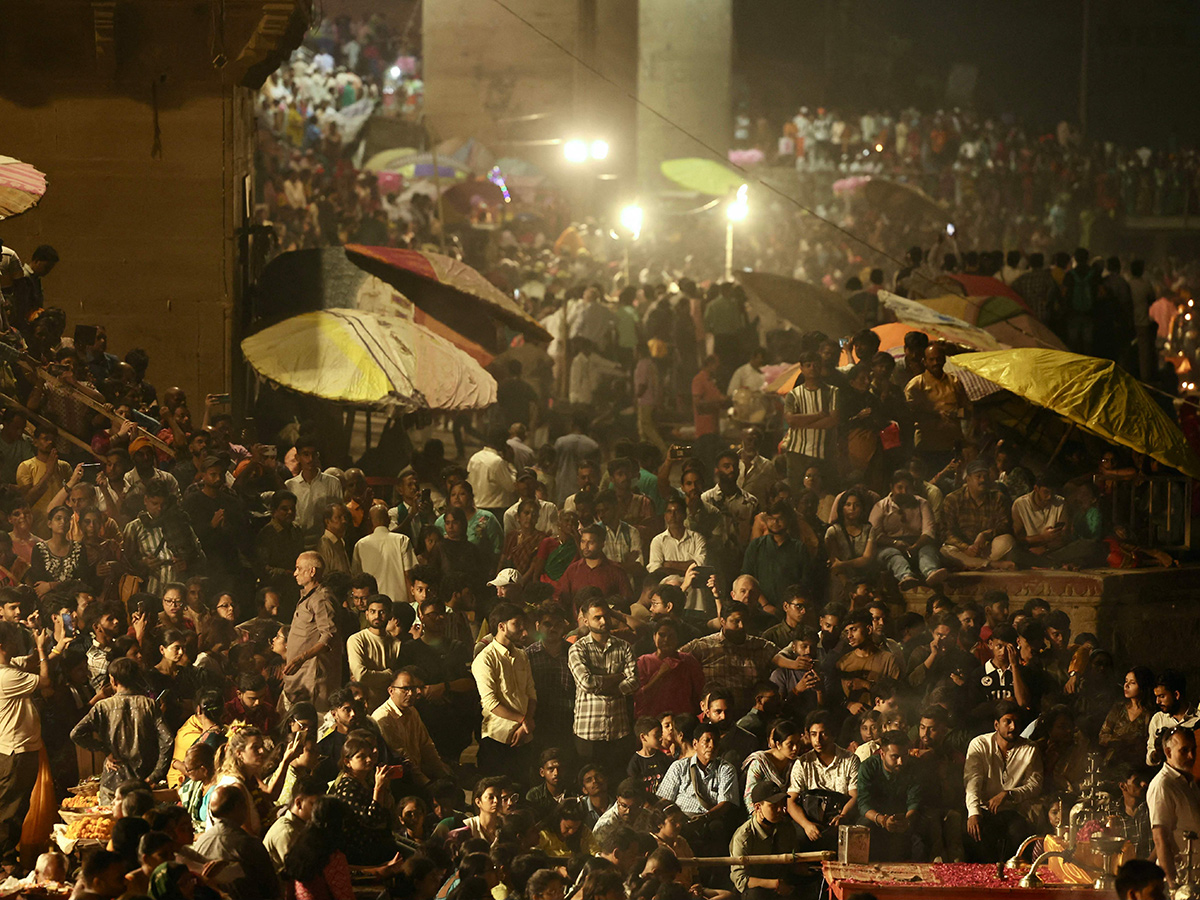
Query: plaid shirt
599 717
734 666
555 687
1137 829
963 519
719 781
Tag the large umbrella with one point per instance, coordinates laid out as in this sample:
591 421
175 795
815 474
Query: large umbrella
368 361
805 306
705 176
381 160
982 286
1002 317
462 196
467 151
21 186
449 290
1095 394
903 201
308 280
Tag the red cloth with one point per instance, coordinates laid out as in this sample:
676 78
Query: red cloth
607 576
676 690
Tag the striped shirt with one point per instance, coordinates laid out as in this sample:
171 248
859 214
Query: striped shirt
802 401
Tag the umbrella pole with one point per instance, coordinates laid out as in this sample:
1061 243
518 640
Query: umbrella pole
437 186
1062 442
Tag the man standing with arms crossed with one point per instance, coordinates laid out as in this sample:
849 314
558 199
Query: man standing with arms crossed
605 675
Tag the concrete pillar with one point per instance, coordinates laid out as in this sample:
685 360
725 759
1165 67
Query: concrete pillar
685 54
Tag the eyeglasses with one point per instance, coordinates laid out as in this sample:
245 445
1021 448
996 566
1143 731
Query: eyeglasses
406 688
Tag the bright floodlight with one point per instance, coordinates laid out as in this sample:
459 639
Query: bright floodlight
575 151
395 72
631 220
739 208
599 149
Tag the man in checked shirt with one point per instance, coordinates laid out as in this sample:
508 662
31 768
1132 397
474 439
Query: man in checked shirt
605 675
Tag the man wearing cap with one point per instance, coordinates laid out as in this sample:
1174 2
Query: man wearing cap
387 555
504 583
220 522
977 523
768 831
527 485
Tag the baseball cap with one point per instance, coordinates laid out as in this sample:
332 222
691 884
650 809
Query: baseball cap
767 792
505 577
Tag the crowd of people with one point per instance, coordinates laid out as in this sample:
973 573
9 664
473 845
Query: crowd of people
568 661
1057 183
311 193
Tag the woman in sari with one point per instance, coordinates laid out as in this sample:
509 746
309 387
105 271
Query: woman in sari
521 546
556 553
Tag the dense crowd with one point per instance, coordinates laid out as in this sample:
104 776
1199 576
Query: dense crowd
1058 180
568 661
310 113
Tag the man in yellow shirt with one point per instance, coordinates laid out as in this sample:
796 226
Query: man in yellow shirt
41 477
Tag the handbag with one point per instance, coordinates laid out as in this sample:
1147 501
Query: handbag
889 436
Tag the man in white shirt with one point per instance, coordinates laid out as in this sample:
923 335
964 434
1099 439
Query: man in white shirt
1172 711
748 376
314 491
491 476
1002 775
1173 801
404 731
374 654
826 767
676 548
506 694
527 485
1043 532
386 555
20 729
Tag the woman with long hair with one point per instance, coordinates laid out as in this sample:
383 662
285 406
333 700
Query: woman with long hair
365 787
243 763
521 546
849 542
59 559
564 832
784 745
1123 734
317 865
1064 751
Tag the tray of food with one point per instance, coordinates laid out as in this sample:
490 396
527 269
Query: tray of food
93 828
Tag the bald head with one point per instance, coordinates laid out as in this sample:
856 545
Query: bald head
379 515
308 568
745 589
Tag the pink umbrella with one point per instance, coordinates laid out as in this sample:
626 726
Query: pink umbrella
21 186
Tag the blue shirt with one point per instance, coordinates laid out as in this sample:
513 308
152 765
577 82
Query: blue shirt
718 779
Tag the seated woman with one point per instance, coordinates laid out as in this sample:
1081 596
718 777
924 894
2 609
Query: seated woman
59 559
849 543
365 787
317 864
564 833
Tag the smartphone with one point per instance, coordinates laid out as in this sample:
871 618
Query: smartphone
426 496
950 229
703 573
221 398
679 451
68 625
91 470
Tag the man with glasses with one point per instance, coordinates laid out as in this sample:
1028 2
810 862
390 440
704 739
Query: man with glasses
795 610
404 731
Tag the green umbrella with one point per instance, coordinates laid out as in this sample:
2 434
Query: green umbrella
705 176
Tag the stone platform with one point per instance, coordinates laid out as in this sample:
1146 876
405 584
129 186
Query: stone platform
1146 616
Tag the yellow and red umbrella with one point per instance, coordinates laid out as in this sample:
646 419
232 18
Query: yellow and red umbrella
450 291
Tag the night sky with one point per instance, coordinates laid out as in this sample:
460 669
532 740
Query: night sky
1144 77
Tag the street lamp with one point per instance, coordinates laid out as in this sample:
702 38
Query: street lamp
734 212
575 151
631 220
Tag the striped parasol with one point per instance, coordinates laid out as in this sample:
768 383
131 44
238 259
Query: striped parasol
21 186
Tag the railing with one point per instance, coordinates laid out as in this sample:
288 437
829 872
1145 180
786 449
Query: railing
1155 511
